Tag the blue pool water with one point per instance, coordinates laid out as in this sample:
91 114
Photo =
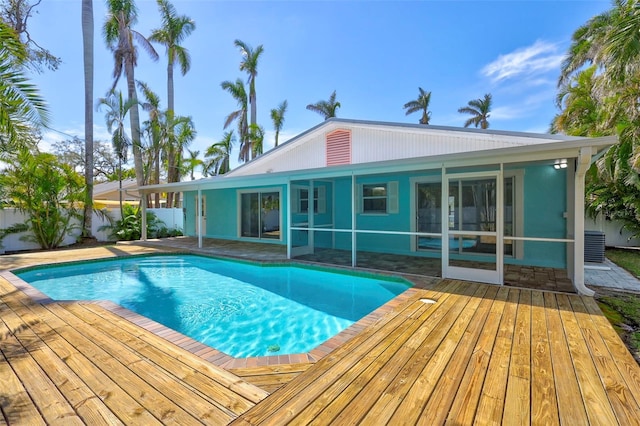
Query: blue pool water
238 308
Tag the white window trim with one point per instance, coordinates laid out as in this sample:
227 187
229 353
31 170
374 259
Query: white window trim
392 197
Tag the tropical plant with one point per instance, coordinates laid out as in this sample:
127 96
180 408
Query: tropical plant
129 226
327 109
48 192
119 35
479 109
256 136
582 112
117 110
239 93
179 133
218 155
249 64
277 116
154 130
22 109
173 32
192 162
87 49
599 87
420 105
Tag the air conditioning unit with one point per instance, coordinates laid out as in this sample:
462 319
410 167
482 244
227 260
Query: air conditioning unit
594 246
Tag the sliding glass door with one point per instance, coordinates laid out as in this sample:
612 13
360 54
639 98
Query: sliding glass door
260 215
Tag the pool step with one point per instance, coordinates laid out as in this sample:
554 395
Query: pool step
271 378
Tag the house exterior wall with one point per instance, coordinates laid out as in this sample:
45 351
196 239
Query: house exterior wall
545 204
222 213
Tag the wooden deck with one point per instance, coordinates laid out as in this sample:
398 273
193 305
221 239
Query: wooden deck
480 354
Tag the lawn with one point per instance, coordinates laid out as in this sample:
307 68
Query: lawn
622 308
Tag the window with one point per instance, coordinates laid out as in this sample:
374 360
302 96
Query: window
303 201
374 198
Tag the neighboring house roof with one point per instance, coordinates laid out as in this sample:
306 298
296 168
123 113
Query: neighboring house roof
109 190
338 146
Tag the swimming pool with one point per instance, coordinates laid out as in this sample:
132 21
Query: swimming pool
239 308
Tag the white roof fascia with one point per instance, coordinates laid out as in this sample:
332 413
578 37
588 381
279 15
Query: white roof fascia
518 154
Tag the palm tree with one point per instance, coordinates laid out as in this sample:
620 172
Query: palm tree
174 30
420 104
256 137
582 113
327 109
249 64
119 36
180 132
219 155
277 116
87 43
239 93
191 162
152 127
21 106
479 110
115 116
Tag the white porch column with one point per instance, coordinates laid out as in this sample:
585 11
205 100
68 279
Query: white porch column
582 165
353 221
143 198
199 210
444 219
288 221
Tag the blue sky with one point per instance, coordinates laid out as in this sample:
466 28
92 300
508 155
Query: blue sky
375 54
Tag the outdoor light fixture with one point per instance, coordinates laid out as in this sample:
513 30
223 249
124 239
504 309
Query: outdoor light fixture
560 164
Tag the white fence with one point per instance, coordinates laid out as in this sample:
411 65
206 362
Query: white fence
173 219
613 235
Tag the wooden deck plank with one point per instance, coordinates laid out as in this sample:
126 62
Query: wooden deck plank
88 406
623 403
271 378
365 343
417 352
447 388
165 374
125 407
17 406
169 400
364 392
335 386
423 387
596 402
464 406
620 355
517 406
571 407
491 404
544 402
213 380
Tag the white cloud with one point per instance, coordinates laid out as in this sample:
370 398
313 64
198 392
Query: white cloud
532 60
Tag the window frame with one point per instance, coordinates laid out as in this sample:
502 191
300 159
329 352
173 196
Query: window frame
384 197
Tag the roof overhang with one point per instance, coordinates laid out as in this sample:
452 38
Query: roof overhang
557 149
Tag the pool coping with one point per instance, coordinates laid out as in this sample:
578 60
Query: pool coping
211 354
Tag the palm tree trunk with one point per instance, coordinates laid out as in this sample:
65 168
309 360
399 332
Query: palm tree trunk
134 115
87 43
